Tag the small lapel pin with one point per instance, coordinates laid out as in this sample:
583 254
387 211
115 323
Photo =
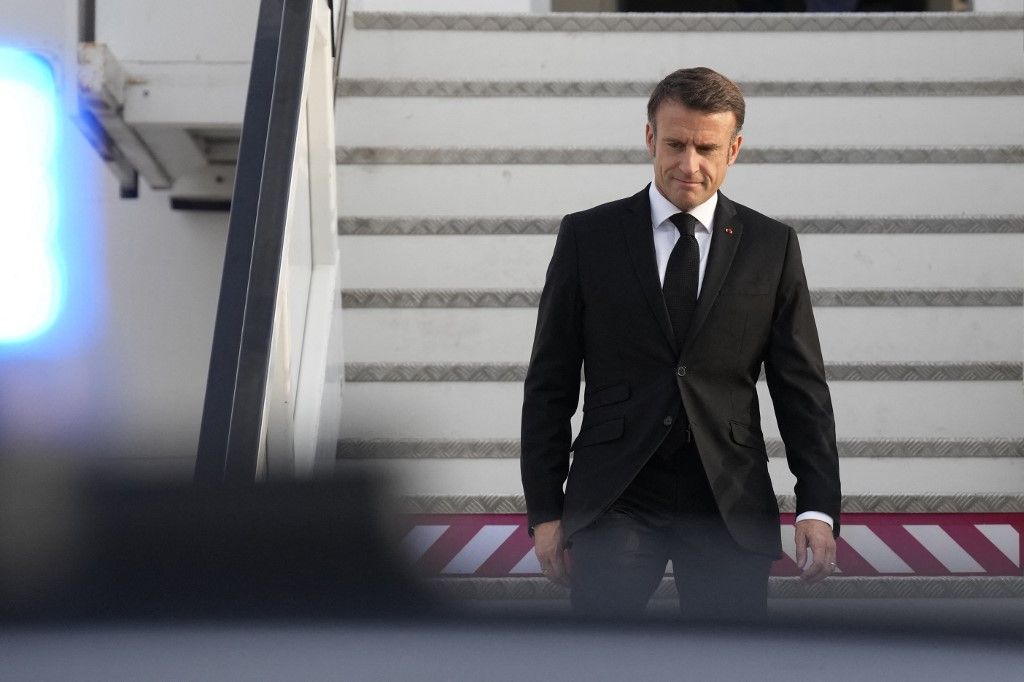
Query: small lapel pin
728 230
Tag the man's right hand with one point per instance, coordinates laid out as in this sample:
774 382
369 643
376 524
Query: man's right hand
547 543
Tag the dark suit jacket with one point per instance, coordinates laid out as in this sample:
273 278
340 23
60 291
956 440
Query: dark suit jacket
602 307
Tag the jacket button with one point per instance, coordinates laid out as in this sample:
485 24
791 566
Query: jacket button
681 371
668 421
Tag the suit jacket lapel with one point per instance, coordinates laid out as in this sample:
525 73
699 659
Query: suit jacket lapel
724 242
639 237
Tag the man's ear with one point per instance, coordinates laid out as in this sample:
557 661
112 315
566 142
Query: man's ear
649 138
734 148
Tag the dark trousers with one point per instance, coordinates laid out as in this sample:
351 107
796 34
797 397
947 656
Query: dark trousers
667 513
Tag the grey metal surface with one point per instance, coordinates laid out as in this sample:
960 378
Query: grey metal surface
815 641
637 22
511 225
904 587
637 155
370 87
509 448
529 298
514 504
515 372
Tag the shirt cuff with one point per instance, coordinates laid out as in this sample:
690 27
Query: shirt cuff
815 515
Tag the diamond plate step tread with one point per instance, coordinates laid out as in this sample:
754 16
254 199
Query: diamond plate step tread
935 504
529 298
511 225
532 588
756 155
515 372
370 87
353 449
711 22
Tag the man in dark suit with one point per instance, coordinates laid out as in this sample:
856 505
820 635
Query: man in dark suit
671 301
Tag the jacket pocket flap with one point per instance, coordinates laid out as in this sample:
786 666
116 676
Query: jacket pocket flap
606 396
599 433
746 435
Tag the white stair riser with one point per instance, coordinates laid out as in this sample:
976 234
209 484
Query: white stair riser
875 261
619 122
847 334
511 55
787 189
900 410
911 476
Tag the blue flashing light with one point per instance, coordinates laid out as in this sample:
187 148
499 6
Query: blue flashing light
32 282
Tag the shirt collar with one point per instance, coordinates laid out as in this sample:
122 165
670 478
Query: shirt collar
662 209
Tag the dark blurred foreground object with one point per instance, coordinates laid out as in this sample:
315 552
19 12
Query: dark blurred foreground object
77 545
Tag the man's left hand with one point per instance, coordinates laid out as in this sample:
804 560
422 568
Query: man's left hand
816 535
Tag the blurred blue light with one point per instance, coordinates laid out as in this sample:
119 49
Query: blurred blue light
31 278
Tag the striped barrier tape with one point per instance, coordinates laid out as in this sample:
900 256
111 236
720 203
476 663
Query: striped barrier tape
939 544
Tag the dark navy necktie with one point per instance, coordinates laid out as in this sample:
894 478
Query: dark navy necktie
680 286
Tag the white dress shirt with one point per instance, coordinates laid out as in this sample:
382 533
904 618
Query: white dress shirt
665 237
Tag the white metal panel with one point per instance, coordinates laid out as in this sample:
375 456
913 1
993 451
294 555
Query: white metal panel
831 261
619 121
506 335
801 55
865 409
186 94
790 189
182 31
919 476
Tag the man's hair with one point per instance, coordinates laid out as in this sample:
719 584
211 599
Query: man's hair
699 88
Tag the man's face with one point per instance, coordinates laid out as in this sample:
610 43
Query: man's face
691 151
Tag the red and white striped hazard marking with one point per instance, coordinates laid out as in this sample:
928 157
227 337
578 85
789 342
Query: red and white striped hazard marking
497 545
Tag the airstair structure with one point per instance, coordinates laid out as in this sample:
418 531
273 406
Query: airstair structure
892 143
422 186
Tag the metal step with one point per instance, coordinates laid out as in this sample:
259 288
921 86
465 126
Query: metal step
390 87
749 155
910 587
447 299
356 449
516 225
513 372
639 22
924 504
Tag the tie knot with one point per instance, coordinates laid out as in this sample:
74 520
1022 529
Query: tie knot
685 223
